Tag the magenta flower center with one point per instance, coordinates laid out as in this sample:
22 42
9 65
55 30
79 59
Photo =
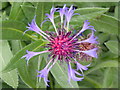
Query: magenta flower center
62 45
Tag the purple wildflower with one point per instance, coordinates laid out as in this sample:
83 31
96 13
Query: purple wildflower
65 46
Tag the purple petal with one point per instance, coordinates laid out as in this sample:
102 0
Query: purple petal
91 52
86 26
31 54
71 74
91 39
43 22
69 13
76 14
51 15
33 26
78 73
44 74
45 71
62 10
80 66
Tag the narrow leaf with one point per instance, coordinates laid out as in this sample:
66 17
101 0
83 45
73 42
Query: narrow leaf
16 59
16 12
13 30
110 78
11 78
107 24
86 14
28 72
112 46
29 11
110 63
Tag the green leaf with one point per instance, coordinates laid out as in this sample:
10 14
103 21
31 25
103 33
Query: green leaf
86 14
27 73
3 16
102 37
16 59
110 78
41 9
16 12
110 63
13 30
108 55
11 78
61 76
29 11
116 12
16 46
95 83
105 23
95 4
112 46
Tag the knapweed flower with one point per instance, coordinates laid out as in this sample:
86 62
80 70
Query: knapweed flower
65 45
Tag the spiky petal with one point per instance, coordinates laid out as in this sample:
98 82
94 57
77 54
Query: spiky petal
68 14
91 52
31 54
44 74
81 67
85 27
51 17
34 27
71 74
91 39
45 71
62 12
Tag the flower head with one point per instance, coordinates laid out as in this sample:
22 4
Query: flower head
65 45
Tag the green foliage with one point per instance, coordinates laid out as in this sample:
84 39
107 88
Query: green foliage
112 46
107 24
110 78
16 15
87 14
13 30
11 78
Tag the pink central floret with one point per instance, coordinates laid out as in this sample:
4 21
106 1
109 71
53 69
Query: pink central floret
62 45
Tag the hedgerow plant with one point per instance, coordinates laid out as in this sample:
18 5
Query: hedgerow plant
59 45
